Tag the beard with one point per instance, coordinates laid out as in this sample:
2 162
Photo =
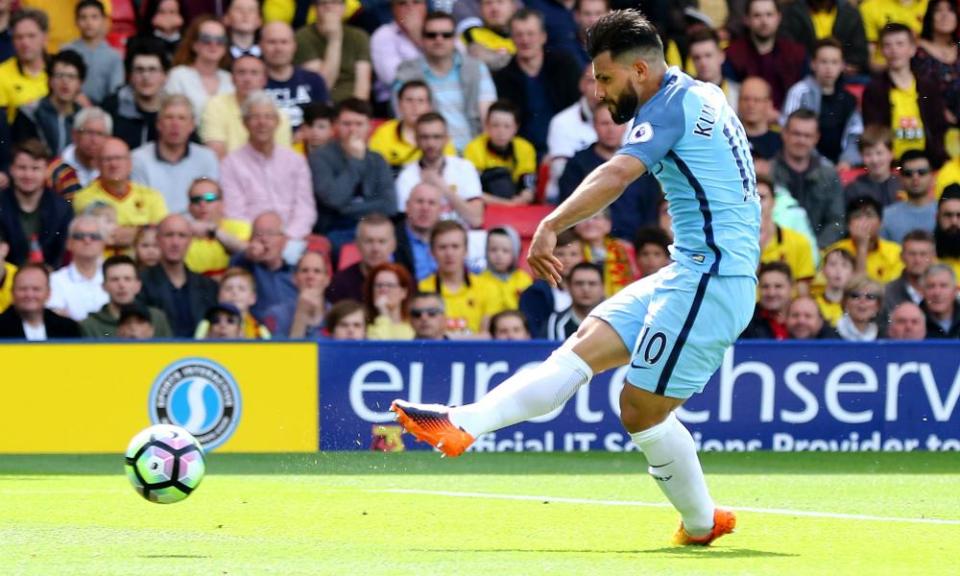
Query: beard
624 108
948 242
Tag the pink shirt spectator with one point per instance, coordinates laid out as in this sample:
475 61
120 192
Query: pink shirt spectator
253 183
389 46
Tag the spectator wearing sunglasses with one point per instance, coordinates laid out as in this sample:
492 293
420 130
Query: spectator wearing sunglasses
200 64
919 210
215 237
879 259
862 302
33 218
427 317
77 290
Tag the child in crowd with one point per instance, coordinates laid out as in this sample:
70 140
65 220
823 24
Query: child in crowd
104 66
838 268
652 246
603 249
541 299
503 253
223 322
317 128
145 247
507 163
880 183
238 289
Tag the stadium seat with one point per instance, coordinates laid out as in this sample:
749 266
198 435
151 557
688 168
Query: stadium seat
524 219
349 254
543 178
848 176
123 24
857 91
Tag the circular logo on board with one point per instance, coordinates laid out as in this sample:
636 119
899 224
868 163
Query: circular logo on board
199 395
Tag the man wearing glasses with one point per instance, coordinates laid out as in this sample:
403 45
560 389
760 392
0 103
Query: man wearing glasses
76 291
461 85
50 119
339 53
215 238
134 107
427 317
33 219
918 211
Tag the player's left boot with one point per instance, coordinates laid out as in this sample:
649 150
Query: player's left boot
724 521
431 423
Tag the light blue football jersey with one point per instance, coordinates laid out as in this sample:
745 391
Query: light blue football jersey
692 142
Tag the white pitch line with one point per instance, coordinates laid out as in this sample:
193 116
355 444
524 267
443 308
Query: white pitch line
560 500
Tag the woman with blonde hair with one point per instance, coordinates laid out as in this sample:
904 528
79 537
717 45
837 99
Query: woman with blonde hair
862 302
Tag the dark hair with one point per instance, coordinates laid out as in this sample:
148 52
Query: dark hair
863 202
623 31
145 46
118 260
874 134
702 35
68 58
339 311
437 15
801 114
406 282
586 266
750 3
568 237
651 235
526 14
506 107
436 295
896 28
828 42
148 11
37 16
766 181
89 4
355 105
917 236
429 117
317 111
776 266
911 155
412 84
507 314
926 32
950 192
185 54
848 257
445 226
32 147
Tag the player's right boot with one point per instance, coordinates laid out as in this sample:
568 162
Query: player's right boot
431 423
724 521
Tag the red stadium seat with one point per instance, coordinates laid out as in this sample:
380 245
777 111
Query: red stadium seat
543 178
349 254
848 176
857 91
123 24
524 219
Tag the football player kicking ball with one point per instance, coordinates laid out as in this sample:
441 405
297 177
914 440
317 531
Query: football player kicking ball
672 327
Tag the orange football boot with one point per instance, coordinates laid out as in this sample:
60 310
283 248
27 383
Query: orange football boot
431 423
724 521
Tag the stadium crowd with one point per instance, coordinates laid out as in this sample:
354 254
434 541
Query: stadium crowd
375 169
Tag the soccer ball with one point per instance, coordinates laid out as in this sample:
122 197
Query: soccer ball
164 463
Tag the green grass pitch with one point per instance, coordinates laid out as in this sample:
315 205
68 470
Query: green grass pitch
366 514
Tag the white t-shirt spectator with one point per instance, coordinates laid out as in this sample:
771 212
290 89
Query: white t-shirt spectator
75 295
457 172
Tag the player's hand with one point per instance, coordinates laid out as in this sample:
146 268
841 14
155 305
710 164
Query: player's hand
541 259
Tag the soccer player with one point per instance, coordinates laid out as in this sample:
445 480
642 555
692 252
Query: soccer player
672 327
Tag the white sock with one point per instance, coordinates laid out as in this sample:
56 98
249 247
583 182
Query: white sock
672 456
525 395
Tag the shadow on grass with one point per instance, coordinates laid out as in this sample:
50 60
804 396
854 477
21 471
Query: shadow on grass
427 463
687 551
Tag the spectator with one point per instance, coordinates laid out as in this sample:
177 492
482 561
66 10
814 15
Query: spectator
469 300
215 238
199 66
910 105
918 211
122 284
804 321
507 163
145 248
879 259
633 209
339 53
778 60
387 294
33 218
811 179
184 296
489 39
907 322
936 56
225 322
838 268
163 20
27 318
586 13
396 41
6 39
238 289
611 254
807 21
243 20
350 181
541 83
879 182
302 317
78 165
222 127
877 15
571 130
707 58
822 92
77 290
317 128
395 139
23 78
755 111
947 232
939 302
103 64
559 26
770 317
264 258
541 299
376 242
862 302
135 323
291 86
503 255
50 119
134 107
586 292
652 247
461 85
780 244
414 228
455 177
261 176
345 321
135 203
427 317
509 325
7 272
918 255
171 163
